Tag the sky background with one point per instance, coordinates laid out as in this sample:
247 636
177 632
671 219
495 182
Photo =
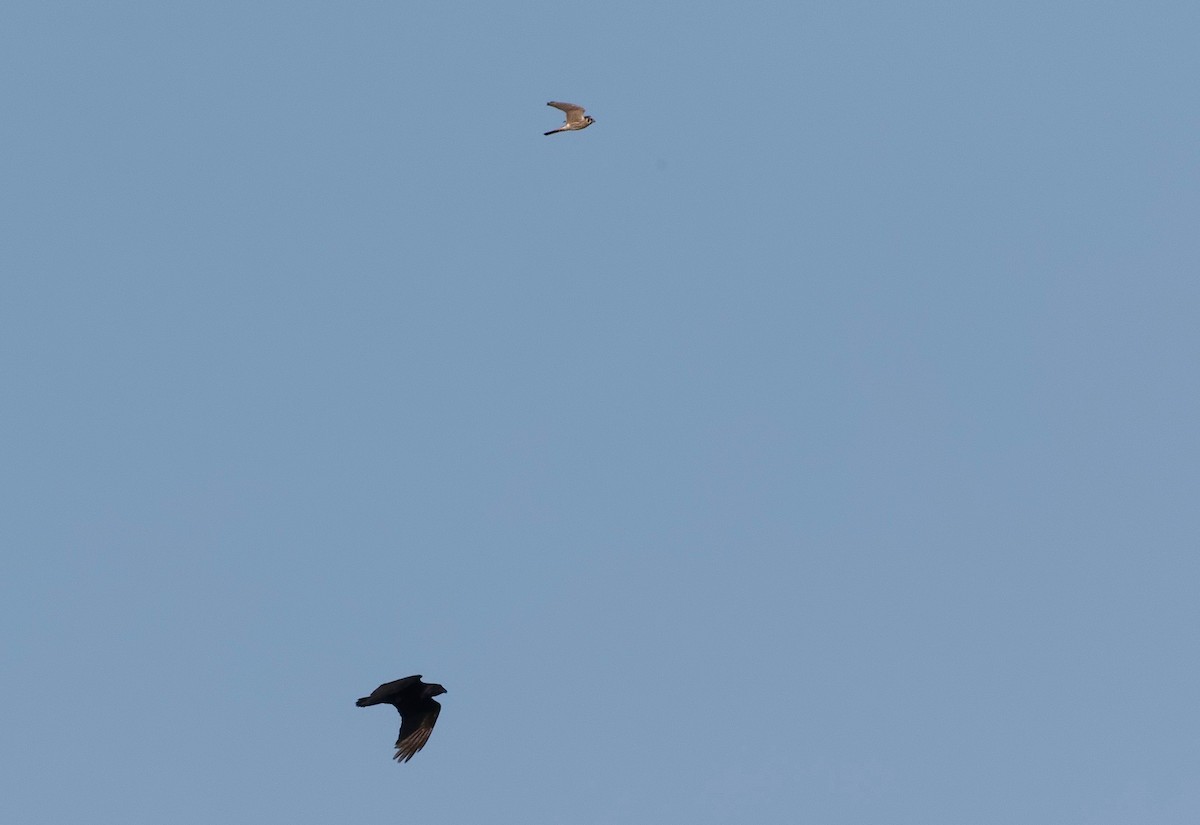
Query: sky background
812 440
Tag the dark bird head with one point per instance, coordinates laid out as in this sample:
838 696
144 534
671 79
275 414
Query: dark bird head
590 120
433 690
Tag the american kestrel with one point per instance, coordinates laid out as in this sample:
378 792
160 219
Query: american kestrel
576 119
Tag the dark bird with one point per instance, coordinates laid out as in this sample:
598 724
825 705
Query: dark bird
418 712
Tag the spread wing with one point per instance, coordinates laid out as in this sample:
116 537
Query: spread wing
415 727
574 113
385 693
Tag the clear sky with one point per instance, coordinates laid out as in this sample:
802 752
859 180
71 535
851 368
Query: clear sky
814 439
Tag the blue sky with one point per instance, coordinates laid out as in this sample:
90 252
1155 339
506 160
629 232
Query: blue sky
813 439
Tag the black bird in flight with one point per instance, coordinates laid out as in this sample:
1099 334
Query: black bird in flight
418 712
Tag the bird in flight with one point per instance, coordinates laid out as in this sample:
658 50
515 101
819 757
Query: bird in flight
576 119
418 712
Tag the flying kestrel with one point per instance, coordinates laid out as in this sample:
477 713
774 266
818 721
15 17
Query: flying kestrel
576 119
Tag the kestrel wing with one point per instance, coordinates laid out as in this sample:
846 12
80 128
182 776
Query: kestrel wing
574 113
414 731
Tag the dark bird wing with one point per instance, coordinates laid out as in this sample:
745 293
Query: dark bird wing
415 727
574 113
389 692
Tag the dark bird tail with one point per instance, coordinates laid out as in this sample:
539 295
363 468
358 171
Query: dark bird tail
366 702
553 131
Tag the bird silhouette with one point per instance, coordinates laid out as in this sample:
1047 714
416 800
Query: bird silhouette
418 711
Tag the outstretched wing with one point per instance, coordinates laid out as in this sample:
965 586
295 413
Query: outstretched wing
415 728
386 693
574 113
